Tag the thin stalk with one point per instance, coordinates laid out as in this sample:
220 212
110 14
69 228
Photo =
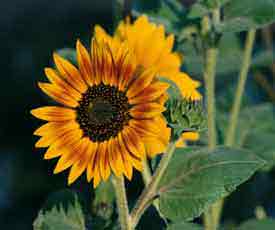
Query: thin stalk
122 204
209 78
150 191
147 177
233 120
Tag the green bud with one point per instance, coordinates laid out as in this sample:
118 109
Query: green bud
184 116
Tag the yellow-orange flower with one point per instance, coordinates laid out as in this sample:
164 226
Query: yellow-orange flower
110 109
151 47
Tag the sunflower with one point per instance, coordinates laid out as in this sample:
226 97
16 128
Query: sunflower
151 47
110 111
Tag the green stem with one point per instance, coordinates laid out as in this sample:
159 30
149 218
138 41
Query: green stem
209 78
150 191
122 204
147 177
233 121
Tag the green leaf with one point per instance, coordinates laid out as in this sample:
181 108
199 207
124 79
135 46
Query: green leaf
184 226
247 14
168 13
255 131
204 7
197 177
229 61
60 218
198 11
265 224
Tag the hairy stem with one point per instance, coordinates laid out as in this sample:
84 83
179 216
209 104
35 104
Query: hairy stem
209 79
150 191
122 204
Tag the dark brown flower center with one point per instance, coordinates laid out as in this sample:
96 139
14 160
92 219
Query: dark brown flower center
103 112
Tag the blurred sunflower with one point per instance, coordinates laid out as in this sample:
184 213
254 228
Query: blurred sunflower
151 47
110 105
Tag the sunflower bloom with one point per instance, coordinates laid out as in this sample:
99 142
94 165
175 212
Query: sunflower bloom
110 111
151 47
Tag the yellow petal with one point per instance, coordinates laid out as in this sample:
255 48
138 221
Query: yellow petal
150 93
70 73
54 113
148 110
84 62
141 83
58 94
57 80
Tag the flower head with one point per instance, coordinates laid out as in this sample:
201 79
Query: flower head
110 106
151 47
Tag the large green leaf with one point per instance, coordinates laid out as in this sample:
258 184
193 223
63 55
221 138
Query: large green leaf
265 224
60 218
196 178
184 226
255 131
247 14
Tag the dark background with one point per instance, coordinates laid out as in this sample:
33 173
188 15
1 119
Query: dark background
30 31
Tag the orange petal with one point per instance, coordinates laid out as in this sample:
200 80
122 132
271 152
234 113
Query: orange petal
52 127
58 94
70 73
127 165
115 159
190 136
92 148
66 141
57 80
141 83
79 167
54 113
103 163
150 93
147 110
70 156
84 61
133 142
96 170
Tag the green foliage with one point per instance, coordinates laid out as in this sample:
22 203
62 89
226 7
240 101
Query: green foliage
61 219
229 61
247 14
169 13
197 177
69 54
256 131
185 226
265 224
103 201
204 7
